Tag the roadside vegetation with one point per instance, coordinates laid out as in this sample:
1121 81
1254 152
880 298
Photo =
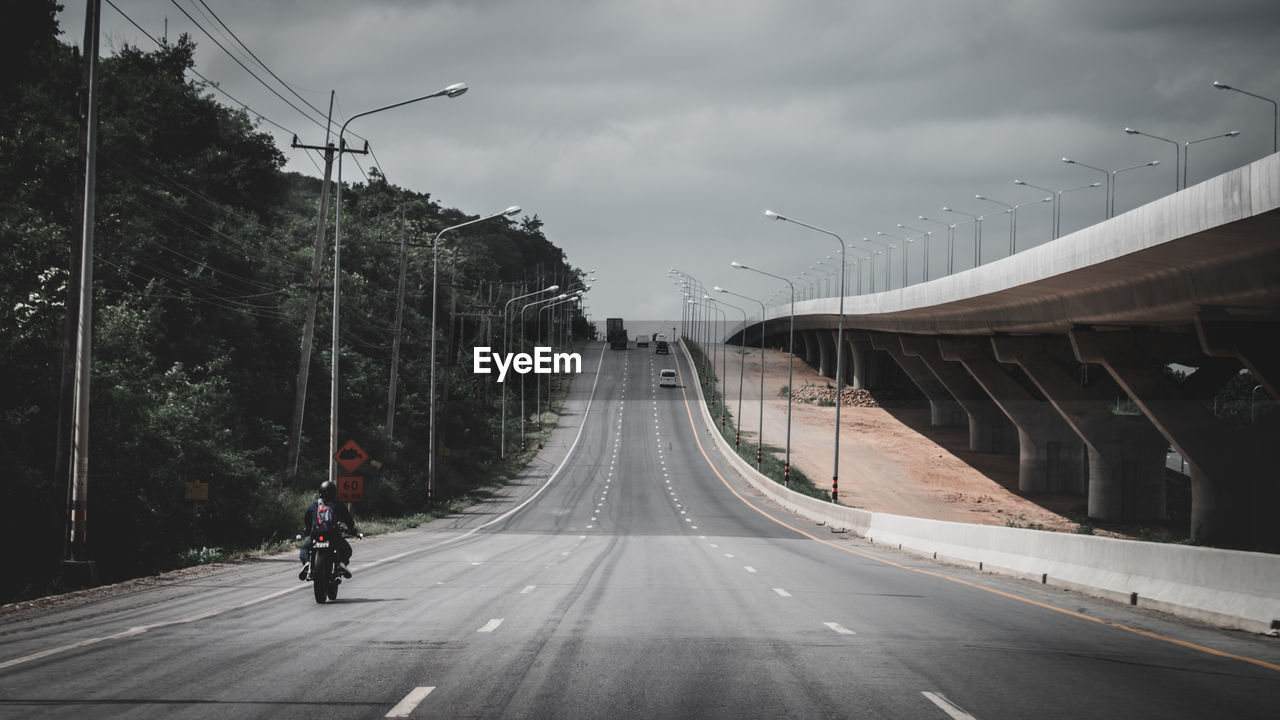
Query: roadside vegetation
772 465
202 282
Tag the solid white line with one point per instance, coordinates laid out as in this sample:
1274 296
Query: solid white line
491 625
410 702
840 628
782 592
948 707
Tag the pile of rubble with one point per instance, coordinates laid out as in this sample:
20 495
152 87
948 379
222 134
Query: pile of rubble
826 395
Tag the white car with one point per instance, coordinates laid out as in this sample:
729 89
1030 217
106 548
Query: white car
667 378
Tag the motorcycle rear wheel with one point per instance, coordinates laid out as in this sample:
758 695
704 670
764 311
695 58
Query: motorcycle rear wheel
320 577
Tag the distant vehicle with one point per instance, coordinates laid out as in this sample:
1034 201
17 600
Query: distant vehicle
642 341
662 348
616 334
667 378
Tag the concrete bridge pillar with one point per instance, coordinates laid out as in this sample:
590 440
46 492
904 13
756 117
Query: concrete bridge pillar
1233 487
1050 455
989 430
1126 453
827 353
944 411
859 358
808 346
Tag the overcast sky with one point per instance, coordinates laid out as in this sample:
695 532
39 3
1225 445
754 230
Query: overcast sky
651 135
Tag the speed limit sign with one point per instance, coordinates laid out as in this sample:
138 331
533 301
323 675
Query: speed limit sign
350 488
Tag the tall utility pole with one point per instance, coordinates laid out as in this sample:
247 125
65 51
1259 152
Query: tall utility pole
77 556
313 297
395 341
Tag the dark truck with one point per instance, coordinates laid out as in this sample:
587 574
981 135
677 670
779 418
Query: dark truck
616 334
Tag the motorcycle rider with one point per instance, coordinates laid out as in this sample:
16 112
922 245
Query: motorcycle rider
328 497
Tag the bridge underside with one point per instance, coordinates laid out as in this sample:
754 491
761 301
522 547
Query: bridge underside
1090 356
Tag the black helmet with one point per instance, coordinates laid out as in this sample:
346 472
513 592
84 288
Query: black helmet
328 490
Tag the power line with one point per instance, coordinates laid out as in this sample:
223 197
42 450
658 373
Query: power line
259 60
245 67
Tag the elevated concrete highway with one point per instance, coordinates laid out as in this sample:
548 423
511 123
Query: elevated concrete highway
1033 351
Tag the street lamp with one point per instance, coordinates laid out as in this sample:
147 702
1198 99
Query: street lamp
742 367
926 234
506 340
835 462
451 91
791 329
1177 162
1275 133
760 429
1053 231
977 233
1013 219
1186 160
1106 175
724 362
1153 163
951 240
523 415
1058 196
431 403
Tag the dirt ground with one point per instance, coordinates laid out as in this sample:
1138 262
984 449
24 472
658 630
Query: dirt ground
891 459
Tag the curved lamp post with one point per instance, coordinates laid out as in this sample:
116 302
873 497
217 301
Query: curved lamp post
977 233
1153 163
1058 195
742 368
1013 218
451 91
1177 158
431 413
760 428
1106 201
835 462
1186 160
951 241
791 331
506 339
1275 132
523 416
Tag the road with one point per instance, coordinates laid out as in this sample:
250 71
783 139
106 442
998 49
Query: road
628 574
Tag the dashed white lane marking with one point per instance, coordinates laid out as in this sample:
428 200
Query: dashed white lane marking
748 568
840 628
947 706
782 592
410 702
491 625
528 589
728 555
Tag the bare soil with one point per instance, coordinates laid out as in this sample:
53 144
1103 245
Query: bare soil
891 459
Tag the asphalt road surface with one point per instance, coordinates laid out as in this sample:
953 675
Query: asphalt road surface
628 574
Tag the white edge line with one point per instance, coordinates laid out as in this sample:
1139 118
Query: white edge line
947 706
410 702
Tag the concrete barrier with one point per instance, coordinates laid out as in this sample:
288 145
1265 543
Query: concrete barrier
1230 588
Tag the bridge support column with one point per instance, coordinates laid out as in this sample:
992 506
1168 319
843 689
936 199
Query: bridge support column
808 348
859 354
989 430
1233 488
944 411
1126 453
827 353
1050 456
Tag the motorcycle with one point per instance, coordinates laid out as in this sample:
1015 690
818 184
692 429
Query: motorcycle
324 567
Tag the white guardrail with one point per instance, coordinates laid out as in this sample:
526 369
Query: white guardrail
1230 588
